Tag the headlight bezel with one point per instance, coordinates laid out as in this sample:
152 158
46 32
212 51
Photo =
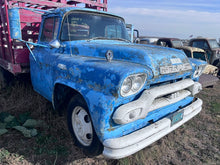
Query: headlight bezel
198 71
135 87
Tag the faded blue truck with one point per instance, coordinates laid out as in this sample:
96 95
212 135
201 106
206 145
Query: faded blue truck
119 97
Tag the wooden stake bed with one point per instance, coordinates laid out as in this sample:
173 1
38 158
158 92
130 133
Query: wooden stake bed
14 55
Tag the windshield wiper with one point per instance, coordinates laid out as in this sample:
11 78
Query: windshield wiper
104 38
98 38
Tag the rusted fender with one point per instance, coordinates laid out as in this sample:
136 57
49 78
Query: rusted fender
211 69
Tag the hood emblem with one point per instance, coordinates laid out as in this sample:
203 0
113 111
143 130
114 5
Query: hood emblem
109 55
175 60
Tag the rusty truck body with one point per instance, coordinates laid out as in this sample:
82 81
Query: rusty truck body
119 96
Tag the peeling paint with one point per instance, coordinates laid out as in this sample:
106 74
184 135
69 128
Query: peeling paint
14 23
99 82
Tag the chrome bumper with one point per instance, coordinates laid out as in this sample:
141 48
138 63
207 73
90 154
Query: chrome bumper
126 145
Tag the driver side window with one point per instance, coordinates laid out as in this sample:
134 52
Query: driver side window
75 28
50 29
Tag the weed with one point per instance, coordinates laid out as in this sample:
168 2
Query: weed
49 145
124 161
215 108
140 158
23 124
4 154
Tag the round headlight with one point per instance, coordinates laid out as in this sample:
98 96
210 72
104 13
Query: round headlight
137 83
133 84
127 85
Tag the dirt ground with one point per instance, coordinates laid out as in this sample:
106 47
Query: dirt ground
196 142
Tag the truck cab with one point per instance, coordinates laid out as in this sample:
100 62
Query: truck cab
120 96
210 46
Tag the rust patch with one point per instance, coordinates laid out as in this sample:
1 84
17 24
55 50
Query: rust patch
111 129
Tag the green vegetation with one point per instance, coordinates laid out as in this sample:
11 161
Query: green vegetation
196 142
23 124
5 155
215 108
47 144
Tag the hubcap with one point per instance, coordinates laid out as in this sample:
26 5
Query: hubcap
82 126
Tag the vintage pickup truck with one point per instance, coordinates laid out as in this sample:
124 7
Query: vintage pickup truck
211 47
119 97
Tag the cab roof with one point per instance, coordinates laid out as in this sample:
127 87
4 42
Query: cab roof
62 11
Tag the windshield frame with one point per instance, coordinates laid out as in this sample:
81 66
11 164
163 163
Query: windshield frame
175 41
213 41
97 14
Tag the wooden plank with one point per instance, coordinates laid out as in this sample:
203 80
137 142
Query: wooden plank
21 56
8 52
29 16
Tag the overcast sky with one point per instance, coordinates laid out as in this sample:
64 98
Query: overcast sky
171 18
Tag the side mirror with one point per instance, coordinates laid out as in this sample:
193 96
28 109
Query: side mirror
137 40
55 44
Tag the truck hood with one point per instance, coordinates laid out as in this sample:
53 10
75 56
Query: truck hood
152 56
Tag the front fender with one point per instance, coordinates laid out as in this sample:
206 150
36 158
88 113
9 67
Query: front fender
98 82
195 63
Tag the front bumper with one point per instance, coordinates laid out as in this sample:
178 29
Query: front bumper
126 145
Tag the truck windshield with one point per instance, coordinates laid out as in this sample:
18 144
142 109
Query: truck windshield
213 44
200 55
177 43
84 26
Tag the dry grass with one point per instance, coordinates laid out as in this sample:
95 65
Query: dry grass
196 142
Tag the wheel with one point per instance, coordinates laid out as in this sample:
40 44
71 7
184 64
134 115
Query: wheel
3 80
81 127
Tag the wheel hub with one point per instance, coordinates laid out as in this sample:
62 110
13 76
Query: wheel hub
82 126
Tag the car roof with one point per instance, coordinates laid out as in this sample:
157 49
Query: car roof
63 10
169 39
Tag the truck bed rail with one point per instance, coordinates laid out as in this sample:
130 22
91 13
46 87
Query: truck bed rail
45 4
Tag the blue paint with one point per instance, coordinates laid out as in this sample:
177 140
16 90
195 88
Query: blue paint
14 23
98 81
197 61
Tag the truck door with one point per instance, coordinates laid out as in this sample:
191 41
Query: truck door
44 59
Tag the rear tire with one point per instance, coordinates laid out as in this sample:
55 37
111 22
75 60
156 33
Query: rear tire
81 127
4 78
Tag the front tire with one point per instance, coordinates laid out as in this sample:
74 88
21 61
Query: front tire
81 127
